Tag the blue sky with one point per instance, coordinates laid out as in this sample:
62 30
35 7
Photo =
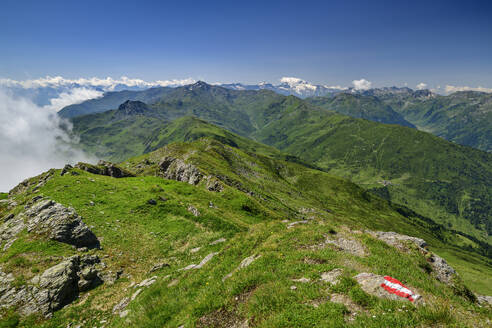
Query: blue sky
329 42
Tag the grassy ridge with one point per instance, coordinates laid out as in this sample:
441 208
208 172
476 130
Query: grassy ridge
261 192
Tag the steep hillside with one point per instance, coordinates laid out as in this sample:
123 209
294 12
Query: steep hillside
359 106
450 183
111 100
239 239
462 117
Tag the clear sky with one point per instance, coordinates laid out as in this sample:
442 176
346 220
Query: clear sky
329 42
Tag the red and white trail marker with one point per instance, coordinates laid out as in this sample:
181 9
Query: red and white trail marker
394 286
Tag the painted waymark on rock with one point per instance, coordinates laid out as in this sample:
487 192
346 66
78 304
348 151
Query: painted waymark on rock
394 286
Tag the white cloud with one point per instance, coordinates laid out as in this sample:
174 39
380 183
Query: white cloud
292 80
452 88
107 84
31 140
361 84
73 96
421 86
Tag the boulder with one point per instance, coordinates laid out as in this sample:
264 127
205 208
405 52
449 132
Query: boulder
56 287
371 284
59 223
176 169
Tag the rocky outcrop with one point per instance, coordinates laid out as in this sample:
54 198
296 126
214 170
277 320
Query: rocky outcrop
441 269
34 183
398 240
59 223
48 218
176 169
105 168
214 185
56 287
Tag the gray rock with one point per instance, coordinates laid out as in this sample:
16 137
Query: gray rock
244 263
201 264
213 184
62 224
371 284
484 300
66 169
331 276
218 241
398 240
193 210
104 168
176 169
159 266
56 287
441 269
292 224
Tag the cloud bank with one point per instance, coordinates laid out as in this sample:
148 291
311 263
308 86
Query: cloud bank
361 84
451 88
31 140
421 86
106 84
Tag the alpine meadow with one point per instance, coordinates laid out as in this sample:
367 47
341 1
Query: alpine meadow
193 195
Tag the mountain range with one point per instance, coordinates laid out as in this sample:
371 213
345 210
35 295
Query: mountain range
250 208
436 178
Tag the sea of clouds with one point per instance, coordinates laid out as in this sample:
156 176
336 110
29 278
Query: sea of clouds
32 139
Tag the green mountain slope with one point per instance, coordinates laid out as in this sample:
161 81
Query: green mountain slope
462 117
261 229
359 106
111 100
449 183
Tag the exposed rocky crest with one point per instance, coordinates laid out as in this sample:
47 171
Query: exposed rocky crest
105 168
176 169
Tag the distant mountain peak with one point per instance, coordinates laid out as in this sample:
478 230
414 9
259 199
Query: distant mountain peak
199 85
133 107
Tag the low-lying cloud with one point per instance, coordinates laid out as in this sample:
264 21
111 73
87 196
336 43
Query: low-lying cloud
361 84
451 88
31 139
106 84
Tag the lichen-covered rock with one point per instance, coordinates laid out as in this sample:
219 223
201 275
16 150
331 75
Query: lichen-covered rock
56 287
176 169
59 223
